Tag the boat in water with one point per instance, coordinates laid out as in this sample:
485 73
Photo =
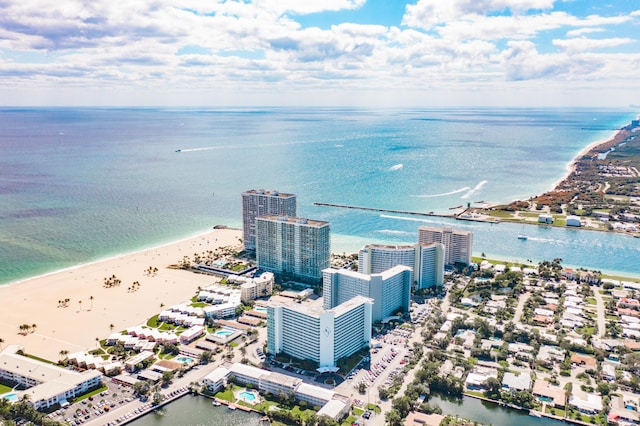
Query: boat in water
522 237
178 150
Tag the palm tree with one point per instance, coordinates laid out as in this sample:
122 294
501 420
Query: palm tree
91 299
111 327
1 342
33 328
80 303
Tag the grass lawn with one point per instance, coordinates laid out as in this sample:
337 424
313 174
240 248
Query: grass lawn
357 411
4 389
591 301
374 408
153 321
348 421
227 394
41 359
199 305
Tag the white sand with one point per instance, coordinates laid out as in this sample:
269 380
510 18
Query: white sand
76 327
571 167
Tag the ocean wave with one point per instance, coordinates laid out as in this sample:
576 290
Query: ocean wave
394 232
476 188
455 191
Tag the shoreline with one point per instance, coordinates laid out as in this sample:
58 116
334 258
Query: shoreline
571 166
94 311
108 258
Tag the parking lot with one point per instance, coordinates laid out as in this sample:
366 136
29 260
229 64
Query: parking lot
95 406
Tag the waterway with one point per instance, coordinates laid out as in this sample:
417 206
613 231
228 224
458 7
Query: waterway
197 411
488 413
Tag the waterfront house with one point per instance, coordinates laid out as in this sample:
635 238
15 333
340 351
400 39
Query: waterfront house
545 218
573 221
552 395
516 383
587 403
477 378
621 414
421 419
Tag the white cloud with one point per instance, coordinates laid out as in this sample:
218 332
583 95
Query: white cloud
259 46
581 31
429 13
582 44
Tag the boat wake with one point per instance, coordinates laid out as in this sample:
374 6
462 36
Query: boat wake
415 219
476 188
455 191
396 167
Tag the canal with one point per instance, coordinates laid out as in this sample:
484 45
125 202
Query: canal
488 413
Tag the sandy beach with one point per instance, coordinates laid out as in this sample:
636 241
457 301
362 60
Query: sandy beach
92 308
571 167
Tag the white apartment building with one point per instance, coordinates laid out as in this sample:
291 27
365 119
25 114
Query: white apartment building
260 202
389 290
429 265
457 244
46 385
425 260
295 248
252 288
306 331
376 258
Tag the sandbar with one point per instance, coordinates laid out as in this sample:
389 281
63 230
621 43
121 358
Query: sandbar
93 308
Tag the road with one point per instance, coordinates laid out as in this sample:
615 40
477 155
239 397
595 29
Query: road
521 301
600 311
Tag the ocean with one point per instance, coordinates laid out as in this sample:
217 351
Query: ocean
83 184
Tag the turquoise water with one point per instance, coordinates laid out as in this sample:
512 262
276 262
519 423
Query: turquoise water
11 397
260 309
79 185
224 332
184 359
249 396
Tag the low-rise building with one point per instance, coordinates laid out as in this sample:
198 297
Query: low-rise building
46 385
552 395
477 378
516 383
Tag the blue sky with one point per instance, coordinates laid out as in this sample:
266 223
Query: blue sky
320 52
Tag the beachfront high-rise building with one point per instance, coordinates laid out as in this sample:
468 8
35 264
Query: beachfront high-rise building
292 247
390 290
306 331
258 202
429 265
376 258
425 260
457 243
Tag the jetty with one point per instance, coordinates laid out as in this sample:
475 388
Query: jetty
375 209
463 215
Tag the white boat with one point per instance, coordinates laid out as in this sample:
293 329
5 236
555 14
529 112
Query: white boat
216 403
522 237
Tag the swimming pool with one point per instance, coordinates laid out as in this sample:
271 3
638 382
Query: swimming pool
247 396
260 309
11 397
224 332
184 359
